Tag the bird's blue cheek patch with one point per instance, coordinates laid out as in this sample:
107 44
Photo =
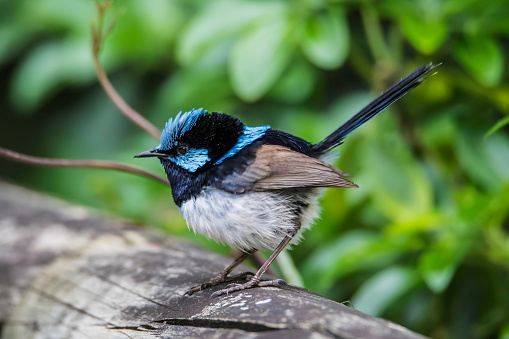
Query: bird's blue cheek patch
192 160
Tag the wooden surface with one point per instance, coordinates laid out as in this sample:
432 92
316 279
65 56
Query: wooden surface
66 272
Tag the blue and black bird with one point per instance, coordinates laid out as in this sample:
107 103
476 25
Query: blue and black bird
254 188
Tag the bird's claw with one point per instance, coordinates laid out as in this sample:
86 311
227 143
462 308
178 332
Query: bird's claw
216 281
250 284
197 288
232 288
213 282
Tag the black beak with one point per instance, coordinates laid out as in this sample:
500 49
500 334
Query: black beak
150 153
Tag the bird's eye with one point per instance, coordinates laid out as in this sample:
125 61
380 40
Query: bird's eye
182 149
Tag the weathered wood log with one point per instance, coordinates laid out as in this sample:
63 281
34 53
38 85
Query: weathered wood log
66 272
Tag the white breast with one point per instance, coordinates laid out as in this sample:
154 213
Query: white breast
255 220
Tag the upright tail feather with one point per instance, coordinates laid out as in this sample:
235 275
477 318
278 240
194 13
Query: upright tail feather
376 106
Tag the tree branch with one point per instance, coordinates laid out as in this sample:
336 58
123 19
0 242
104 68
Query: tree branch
80 163
111 279
97 39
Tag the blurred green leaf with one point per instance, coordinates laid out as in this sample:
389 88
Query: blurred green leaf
438 264
500 124
220 21
504 333
496 149
14 36
400 189
381 291
194 87
332 258
70 16
355 251
472 159
326 38
165 17
143 32
441 129
485 159
51 65
296 84
422 22
482 57
259 58
425 36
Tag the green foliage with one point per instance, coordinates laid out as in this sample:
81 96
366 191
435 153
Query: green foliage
483 58
326 39
424 240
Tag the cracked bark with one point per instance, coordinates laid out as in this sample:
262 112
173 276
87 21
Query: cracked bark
66 272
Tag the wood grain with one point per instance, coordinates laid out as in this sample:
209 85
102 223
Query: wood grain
67 272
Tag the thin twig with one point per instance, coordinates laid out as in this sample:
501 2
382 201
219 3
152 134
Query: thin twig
97 39
111 165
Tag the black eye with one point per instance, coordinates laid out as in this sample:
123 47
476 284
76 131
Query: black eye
182 149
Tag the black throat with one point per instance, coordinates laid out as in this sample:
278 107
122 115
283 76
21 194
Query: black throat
184 185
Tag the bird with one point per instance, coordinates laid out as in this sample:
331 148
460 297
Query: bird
254 188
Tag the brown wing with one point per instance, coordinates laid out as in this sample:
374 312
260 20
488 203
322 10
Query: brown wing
277 167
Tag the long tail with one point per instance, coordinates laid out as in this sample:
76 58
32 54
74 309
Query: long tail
397 90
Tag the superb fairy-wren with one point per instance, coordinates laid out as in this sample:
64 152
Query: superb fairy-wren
254 188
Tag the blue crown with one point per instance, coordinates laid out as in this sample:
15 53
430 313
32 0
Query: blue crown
176 127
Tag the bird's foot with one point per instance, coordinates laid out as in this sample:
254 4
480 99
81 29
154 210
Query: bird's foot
250 284
220 278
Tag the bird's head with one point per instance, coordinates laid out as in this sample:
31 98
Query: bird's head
195 141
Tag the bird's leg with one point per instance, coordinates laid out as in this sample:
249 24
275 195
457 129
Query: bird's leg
222 276
255 280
